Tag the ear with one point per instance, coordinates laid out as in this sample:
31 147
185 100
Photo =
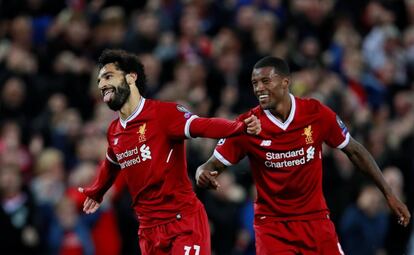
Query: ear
131 78
286 82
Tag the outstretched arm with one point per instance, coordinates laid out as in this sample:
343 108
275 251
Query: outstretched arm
207 173
363 160
94 194
220 128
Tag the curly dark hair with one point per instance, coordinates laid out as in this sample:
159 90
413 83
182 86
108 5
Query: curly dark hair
126 62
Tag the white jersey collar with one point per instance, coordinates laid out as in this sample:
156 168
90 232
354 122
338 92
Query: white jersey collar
134 114
277 122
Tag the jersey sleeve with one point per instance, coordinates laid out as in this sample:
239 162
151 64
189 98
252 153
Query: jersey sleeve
335 132
176 120
111 157
110 154
107 173
230 151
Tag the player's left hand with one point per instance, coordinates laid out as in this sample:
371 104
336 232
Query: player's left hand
89 205
207 179
399 209
253 125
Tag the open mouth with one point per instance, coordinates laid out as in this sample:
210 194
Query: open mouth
108 94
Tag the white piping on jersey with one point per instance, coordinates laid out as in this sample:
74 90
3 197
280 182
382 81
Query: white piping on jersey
345 142
221 158
340 249
277 122
134 113
111 160
169 155
187 126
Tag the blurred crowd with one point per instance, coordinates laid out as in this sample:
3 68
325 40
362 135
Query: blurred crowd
356 56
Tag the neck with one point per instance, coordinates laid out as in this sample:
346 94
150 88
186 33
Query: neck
131 104
283 108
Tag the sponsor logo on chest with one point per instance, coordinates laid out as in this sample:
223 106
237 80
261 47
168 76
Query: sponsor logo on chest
289 158
133 156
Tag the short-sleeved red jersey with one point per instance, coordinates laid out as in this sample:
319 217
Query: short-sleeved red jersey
149 148
286 158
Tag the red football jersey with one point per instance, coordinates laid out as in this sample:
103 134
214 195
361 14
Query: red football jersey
286 158
149 148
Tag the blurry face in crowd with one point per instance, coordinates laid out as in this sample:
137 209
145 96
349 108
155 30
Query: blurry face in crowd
269 87
114 87
10 181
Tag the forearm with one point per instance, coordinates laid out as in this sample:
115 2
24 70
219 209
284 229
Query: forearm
213 164
106 177
363 160
216 128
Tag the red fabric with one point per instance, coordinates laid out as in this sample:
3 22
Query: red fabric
76 196
177 237
150 151
71 245
119 186
286 158
359 91
216 128
316 237
106 177
105 234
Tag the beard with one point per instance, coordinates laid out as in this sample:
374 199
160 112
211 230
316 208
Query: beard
121 95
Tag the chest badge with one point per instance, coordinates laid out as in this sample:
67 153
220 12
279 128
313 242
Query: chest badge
141 132
115 141
307 132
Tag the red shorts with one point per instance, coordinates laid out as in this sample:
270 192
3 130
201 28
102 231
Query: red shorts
187 235
313 237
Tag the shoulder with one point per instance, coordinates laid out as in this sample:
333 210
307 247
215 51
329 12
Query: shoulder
113 126
310 105
169 106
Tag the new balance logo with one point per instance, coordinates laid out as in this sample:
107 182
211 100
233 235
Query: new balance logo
266 143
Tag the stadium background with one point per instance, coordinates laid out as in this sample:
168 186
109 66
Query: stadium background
356 56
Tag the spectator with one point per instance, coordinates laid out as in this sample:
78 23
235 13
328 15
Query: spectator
19 216
364 225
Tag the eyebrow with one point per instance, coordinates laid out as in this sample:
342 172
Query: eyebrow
105 73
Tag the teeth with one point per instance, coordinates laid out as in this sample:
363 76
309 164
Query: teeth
106 91
263 96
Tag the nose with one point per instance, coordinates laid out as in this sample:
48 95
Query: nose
259 86
101 84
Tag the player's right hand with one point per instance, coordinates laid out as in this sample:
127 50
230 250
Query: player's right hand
207 179
90 205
